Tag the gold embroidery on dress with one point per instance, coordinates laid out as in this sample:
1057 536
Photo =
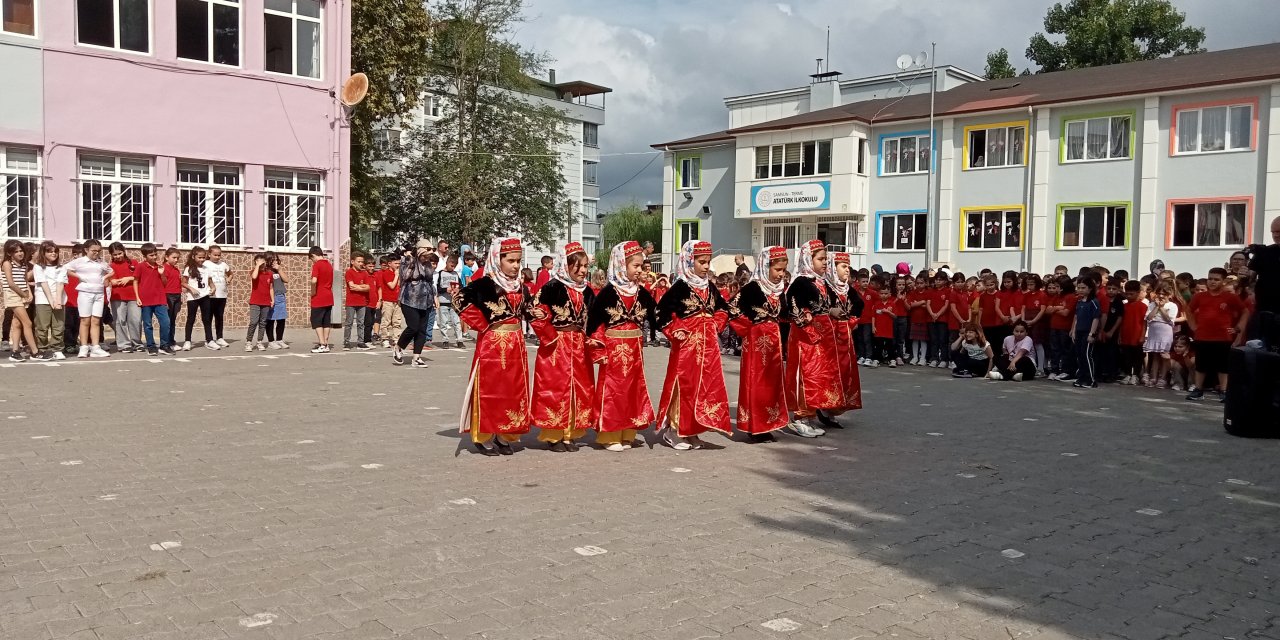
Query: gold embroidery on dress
561 314
831 397
616 312
502 341
623 354
639 421
557 417
774 413
744 416
515 419
764 344
711 412
498 309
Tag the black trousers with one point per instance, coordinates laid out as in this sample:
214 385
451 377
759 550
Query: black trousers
415 328
275 330
1026 366
963 362
175 304
204 308
218 308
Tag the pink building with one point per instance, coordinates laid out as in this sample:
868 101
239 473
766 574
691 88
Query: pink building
178 122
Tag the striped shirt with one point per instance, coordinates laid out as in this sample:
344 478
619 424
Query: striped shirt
19 278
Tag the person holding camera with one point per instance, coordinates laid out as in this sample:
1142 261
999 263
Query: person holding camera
417 302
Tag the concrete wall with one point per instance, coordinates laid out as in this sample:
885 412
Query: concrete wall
21 107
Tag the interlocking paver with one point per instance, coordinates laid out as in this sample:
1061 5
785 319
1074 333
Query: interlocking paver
880 536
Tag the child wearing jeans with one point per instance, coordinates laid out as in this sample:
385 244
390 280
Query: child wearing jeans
1061 309
1133 333
260 300
357 281
1161 318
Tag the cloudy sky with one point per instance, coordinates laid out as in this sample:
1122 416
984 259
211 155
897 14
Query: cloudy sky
671 63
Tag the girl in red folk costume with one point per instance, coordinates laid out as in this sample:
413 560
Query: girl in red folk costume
497 398
692 314
615 340
845 311
813 370
562 376
762 407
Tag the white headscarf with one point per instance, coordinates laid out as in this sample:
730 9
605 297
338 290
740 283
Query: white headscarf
804 261
561 269
761 275
684 267
493 267
618 269
833 279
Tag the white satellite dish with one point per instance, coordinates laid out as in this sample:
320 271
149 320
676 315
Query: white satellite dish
905 61
921 59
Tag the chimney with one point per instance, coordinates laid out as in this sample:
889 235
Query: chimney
824 90
551 76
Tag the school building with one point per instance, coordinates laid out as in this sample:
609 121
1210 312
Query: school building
178 123
1117 165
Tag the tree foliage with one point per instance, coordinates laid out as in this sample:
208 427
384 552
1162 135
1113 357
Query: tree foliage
628 222
1094 33
998 65
389 43
489 165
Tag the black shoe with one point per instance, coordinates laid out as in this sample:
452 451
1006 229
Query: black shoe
168 350
558 447
124 350
827 421
419 363
397 357
17 356
152 351
503 448
1195 396
570 446
485 450
460 346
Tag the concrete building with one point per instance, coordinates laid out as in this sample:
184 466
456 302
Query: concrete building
183 123
1118 165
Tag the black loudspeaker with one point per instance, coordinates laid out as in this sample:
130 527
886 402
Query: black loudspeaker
1253 399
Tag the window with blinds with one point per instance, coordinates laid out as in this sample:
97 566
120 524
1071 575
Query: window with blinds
793 159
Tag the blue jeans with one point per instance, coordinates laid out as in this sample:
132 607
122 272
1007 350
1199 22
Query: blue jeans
430 323
161 313
450 325
938 348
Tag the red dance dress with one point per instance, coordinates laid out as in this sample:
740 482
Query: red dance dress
813 371
621 401
762 406
694 399
562 375
844 320
497 395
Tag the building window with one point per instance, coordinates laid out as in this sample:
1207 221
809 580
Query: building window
905 154
20 192
793 159
1097 138
589 172
293 37
386 141
904 231
1101 226
998 145
686 230
862 156
295 209
115 24
590 209
689 172
431 107
210 205
590 134
18 17
1209 224
991 228
115 199
209 31
1213 128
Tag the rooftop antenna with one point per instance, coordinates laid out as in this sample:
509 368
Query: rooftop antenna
828 58
819 66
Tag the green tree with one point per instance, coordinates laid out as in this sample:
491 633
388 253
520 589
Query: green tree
628 222
389 44
490 165
1101 32
998 65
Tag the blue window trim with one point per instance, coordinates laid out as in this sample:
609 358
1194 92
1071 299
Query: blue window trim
893 212
933 150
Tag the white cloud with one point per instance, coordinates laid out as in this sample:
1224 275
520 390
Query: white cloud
784 8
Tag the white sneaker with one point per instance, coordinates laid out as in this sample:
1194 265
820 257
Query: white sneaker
58 355
248 346
1176 387
617 446
222 343
873 364
995 375
318 349
817 430
932 363
386 344
262 346
274 345
98 352
942 364
186 346
1017 377
84 352
801 429
213 346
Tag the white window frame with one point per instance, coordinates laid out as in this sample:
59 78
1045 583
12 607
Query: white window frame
690 173
591 177
295 17
432 108
592 141
1004 223
387 141
293 196
892 218
209 4
1197 232
117 182
897 155
782 228
1084 147
35 22
1228 139
682 225
9 177
115 14
1109 213
590 209
776 155
211 192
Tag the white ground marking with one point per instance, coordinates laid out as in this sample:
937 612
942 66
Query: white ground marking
40 437
827 448
1031 419
306 442
462 501
1012 553
295 373
108 497
681 470
71 463
166 545
1243 483
1070 455
176 391
1162 437
589 551
1203 441
371 466
333 383
925 404
17 417
1149 512
432 408
933 433
281 456
966 475
258 620
781 625
264 365
379 394
123 370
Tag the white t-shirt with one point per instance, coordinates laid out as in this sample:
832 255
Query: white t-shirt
1012 348
57 279
1170 309
217 274
92 274
200 284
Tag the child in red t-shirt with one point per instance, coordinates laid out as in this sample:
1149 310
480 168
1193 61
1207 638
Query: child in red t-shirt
173 289
260 300
357 301
863 336
882 318
149 283
1032 312
1217 319
918 321
1060 305
1182 364
1133 332
938 303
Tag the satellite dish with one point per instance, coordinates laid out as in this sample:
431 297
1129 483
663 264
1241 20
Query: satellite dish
921 59
354 89
905 61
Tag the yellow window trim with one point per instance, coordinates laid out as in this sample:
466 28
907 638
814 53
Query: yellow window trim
1026 132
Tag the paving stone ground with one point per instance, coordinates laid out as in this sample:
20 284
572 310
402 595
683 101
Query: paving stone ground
277 496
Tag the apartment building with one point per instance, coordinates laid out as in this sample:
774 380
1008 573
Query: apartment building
1117 165
181 123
